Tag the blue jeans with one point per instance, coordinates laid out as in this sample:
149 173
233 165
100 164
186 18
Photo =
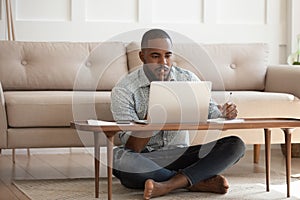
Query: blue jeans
197 162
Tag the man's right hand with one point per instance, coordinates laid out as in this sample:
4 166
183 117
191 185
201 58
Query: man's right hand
138 140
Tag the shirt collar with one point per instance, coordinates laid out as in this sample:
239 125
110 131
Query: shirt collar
143 80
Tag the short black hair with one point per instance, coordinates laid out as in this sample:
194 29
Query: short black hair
153 34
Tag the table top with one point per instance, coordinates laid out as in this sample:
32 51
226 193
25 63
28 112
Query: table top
256 123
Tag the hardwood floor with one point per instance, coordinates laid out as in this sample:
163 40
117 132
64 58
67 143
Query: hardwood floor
80 164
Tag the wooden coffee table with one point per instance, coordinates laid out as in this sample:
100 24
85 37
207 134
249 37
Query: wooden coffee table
110 130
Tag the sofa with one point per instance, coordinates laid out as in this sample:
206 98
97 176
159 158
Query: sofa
45 85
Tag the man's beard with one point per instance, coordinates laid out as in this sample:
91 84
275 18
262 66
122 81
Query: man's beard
152 77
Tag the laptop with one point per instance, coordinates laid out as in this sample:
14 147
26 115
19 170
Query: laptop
178 101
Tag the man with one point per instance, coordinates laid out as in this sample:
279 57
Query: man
162 161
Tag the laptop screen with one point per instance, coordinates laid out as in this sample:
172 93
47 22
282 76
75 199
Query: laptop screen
179 101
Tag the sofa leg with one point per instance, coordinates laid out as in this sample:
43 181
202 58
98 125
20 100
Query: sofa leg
256 153
28 152
13 156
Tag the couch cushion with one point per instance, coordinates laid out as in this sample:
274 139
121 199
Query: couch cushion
61 65
252 104
228 66
133 60
241 66
53 137
55 108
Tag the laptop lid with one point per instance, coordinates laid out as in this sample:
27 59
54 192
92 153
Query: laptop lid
178 101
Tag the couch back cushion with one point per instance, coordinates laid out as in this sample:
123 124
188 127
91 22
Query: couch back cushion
228 66
61 65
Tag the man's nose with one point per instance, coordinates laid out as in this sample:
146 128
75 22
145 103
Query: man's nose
163 61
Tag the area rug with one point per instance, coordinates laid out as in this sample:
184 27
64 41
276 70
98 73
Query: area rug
250 186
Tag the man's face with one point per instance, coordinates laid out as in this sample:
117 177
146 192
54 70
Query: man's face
157 59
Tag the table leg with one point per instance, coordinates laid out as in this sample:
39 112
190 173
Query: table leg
288 159
256 153
267 156
96 159
110 142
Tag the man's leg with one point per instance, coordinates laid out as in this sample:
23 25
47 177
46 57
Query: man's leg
216 184
200 166
133 169
218 156
202 163
155 189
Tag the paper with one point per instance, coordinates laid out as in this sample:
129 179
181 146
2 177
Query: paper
225 121
295 176
105 123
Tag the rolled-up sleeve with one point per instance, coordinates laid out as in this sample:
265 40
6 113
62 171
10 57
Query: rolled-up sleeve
122 105
213 112
122 108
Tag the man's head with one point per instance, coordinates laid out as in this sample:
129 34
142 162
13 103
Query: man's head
156 54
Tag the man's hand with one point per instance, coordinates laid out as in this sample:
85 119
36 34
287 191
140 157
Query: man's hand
138 140
228 110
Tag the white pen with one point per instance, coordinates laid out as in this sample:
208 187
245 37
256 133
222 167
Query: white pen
229 98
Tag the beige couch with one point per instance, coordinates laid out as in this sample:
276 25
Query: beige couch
45 85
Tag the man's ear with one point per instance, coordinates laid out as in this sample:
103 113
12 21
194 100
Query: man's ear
141 55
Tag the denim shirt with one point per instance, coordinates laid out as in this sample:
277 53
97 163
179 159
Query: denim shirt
129 101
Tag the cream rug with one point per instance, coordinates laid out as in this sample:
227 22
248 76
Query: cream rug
250 186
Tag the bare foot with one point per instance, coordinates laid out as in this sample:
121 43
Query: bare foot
155 189
216 184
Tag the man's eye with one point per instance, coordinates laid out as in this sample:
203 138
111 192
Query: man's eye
154 56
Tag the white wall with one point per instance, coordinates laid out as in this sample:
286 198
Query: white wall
293 16
207 21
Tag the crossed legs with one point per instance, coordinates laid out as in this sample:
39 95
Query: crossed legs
195 168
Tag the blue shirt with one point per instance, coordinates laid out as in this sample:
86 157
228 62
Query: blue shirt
129 101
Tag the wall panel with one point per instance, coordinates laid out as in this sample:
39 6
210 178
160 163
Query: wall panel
243 11
293 24
204 21
112 10
2 24
177 11
43 10
1 10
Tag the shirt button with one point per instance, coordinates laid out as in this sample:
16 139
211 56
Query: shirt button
88 64
24 62
232 66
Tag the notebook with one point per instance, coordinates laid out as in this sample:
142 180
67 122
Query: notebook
178 102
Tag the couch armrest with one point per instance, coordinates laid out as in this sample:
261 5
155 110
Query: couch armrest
3 120
283 78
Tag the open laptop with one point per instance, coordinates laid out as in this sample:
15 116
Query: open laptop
178 102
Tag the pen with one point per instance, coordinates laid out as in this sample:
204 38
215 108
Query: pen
229 98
